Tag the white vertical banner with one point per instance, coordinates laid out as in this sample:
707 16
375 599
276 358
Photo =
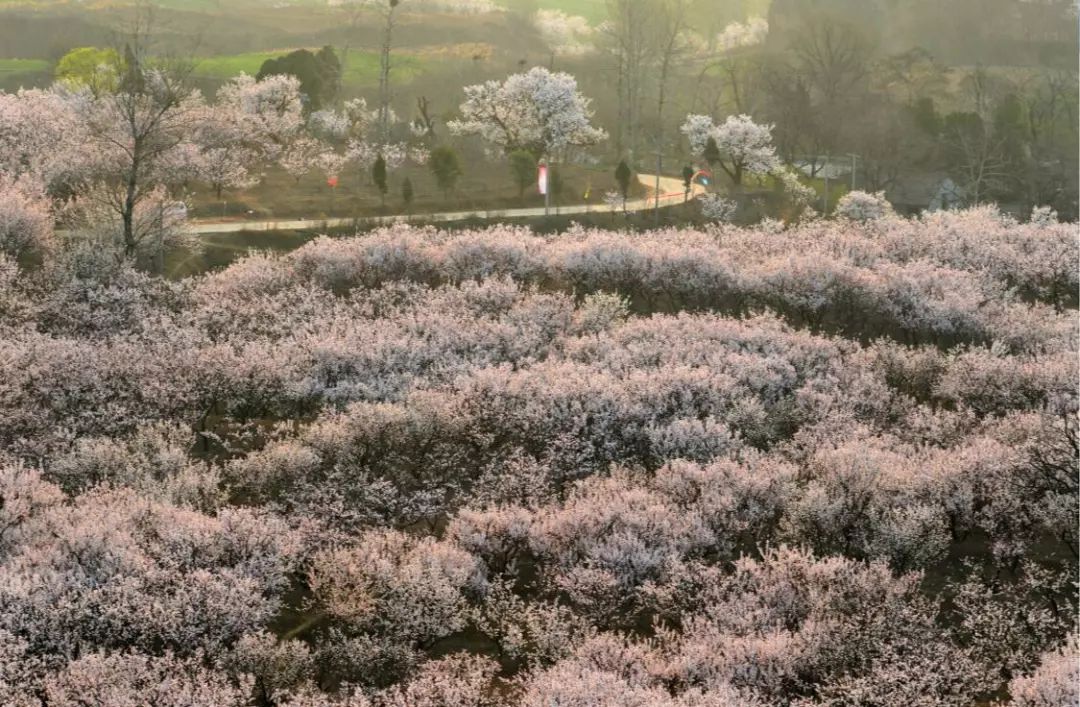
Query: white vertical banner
541 178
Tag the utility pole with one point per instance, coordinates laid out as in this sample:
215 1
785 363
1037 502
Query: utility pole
853 157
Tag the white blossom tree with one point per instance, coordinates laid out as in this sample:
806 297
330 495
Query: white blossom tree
265 117
737 35
742 146
353 136
565 34
716 208
539 111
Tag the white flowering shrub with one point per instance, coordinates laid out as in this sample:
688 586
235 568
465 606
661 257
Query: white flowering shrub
863 206
716 208
1044 216
613 200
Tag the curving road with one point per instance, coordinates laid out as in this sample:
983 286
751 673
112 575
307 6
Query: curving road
671 194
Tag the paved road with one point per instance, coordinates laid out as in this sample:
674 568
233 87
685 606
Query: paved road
671 194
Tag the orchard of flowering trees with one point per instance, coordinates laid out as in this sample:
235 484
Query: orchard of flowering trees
114 164
820 463
829 463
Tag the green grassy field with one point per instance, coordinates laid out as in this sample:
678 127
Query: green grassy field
361 69
18 73
22 66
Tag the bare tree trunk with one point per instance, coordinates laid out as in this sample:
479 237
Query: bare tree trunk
146 120
660 140
384 71
128 217
632 27
673 16
620 93
633 105
426 120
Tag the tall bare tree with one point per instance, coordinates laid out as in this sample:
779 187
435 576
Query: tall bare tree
669 28
137 130
355 13
977 156
834 58
386 10
834 61
628 39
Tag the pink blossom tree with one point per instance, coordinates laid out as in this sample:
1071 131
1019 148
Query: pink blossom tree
26 219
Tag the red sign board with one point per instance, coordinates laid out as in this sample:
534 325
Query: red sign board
332 181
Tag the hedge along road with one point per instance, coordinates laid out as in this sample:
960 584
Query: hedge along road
672 193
